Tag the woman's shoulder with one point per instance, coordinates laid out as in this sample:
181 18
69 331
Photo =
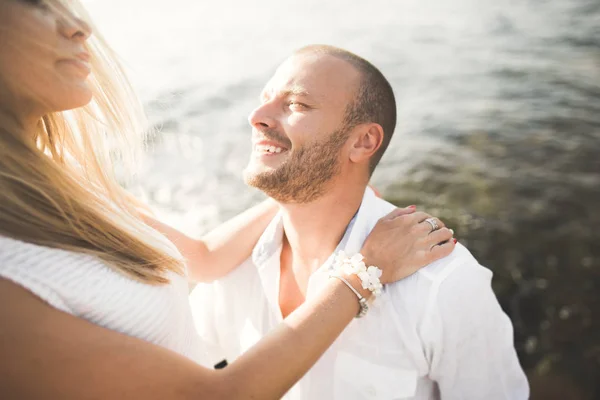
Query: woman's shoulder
36 268
15 252
50 273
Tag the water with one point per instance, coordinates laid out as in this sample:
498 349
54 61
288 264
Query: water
499 132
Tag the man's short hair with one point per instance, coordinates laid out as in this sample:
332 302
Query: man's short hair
374 102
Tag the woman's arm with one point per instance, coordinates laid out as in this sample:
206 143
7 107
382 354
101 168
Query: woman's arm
225 247
50 354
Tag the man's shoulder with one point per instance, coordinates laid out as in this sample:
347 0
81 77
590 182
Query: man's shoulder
454 281
459 263
380 208
458 271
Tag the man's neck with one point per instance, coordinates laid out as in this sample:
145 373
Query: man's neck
313 231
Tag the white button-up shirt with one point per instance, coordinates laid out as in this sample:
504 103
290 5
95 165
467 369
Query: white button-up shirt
439 333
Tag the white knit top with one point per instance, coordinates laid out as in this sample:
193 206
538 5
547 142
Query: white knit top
85 287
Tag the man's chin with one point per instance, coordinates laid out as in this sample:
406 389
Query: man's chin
265 181
255 177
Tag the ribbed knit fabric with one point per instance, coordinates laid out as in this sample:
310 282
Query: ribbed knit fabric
84 286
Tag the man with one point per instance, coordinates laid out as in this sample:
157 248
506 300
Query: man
325 120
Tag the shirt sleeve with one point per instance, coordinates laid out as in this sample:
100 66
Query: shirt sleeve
202 303
473 354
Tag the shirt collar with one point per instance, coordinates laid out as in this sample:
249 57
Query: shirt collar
371 209
267 251
360 226
269 243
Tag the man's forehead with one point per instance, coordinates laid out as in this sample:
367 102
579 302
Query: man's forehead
288 88
314 75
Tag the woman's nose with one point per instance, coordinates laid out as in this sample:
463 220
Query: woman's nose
74 28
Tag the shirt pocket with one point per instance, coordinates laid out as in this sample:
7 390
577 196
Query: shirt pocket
356 378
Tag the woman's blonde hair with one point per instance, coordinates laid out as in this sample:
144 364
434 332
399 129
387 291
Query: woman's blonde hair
61 191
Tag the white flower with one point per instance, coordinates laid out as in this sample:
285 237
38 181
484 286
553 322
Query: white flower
355 265
360 267
356 258
364 279
340 259
370 280
347 269
374 272
341 256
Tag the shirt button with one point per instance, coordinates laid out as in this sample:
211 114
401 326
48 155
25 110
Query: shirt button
371 391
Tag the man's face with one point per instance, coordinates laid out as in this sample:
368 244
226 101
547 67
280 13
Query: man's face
298 131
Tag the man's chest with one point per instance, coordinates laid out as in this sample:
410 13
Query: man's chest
294 279
373 358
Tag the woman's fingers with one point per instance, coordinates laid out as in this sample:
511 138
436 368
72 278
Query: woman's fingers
442 250
403 242
439 236
419 216
428 227
399 212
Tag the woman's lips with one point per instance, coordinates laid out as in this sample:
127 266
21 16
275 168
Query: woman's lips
83 67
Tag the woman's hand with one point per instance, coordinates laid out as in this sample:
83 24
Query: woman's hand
403 241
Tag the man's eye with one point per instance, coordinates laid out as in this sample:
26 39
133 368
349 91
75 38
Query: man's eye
297 104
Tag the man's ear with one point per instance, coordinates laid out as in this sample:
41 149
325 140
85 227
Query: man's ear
368 141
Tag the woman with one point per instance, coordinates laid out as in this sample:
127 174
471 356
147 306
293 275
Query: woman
95 299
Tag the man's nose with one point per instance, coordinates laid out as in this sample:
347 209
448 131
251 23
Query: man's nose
262 117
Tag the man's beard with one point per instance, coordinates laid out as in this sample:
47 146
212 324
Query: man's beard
304 176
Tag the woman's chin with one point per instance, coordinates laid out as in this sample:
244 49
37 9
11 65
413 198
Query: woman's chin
74 100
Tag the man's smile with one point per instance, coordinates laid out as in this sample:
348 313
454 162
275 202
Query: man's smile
268 148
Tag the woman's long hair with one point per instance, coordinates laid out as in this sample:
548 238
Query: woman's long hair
60 189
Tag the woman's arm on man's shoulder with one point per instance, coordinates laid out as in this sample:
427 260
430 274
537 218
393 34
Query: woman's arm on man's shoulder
221 250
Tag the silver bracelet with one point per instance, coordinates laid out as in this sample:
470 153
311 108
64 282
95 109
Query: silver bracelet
364 307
